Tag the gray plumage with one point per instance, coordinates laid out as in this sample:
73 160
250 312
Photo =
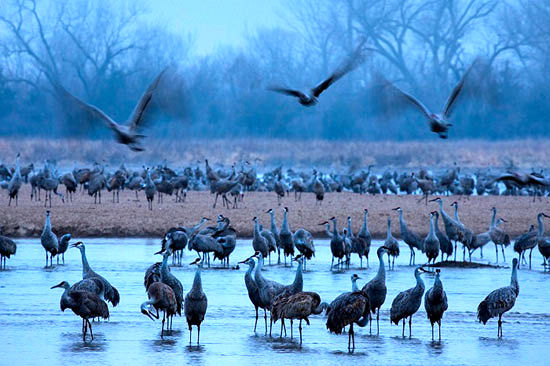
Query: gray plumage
500 301
445 244
169 279
348 309
498 236
409 237
451 226
84 304
161 298
259 242
253 291
465 235
407 303
524 242
337 245
304 243
111 293
285 235
392 244
152 274
63 245
15 183
364 234
7 249
49 240
358 245
275 232
431 242
195 304
543 242
435 303
150 189
376 288
93 285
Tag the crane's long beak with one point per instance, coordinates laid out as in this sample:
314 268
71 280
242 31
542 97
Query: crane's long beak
148 313
56 286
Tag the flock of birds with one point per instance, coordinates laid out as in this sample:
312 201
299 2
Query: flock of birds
87 298
131 133
233 183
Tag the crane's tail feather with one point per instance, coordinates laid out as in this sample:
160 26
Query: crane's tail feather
483 314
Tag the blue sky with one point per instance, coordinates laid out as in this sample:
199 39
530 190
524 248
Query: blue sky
216 23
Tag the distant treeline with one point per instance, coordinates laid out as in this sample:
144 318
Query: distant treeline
106 53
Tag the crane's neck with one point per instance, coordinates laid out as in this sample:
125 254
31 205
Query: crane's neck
256 229
436 223
197 282
17 168
335 229
438 286
299 279
164 267
198 226
251 266
432 226
258 274
419 281
85 266
350 233
456 213
389 229
285 222
273 225
48 224
493 218
365 222
514 280
354 287
441 207
381 268
327 229
541 225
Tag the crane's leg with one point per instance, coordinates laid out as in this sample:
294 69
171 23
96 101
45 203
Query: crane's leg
90 327
403 333
291 328
270 324
46 259
349 341
57 258
496 251
256 322
360 261
393 263
531 252
282 325
265 319
63 258
162 328
198 334
84 330
455 250
503 255
377 321
215 201
389 264
352 336
190 332
370 323
439 324
481 250
300 328
410 326
332 263
432 331
500 326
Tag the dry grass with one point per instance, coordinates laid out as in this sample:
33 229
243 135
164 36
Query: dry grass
82 218
337 155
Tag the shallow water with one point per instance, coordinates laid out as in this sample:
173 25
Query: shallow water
34 331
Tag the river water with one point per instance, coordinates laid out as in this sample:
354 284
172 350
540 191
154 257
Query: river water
33 330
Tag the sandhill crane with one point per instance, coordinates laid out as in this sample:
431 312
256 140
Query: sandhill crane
150 189
347 246
96 184
304 243
348 309
205 244
358 245
444 243
309 98
268 289
376 289
543 242
195 303
7 249
270 240
318 189
111 293
451 226
500 301
431 242
524 242
392 245
298 306
439 123
279 189
364 234
63 245
15 182
337 246
435 303
169 279
409 237
49 240
465 235
498 236
285 235
69 181
407 303
259 242
253 291
298 187
161 297
275 232
124 134
152 275
84 304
